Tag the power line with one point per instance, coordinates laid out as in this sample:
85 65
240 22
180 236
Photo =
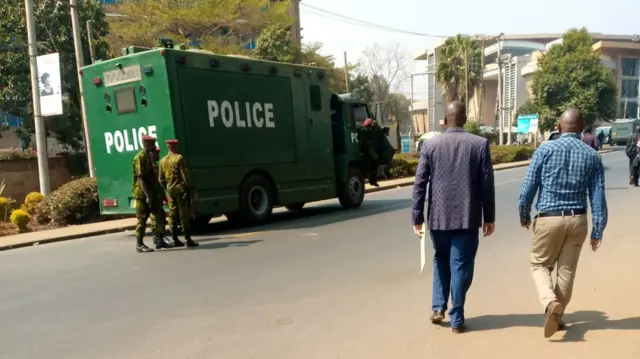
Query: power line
338 17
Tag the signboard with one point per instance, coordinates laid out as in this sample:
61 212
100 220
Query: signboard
49 84
528 123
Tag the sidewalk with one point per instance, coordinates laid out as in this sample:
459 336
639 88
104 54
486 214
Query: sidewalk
121 225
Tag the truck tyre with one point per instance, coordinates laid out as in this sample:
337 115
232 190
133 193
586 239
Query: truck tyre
256 200
351 193
200 223
295 207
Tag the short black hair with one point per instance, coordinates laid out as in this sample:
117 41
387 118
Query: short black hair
44 76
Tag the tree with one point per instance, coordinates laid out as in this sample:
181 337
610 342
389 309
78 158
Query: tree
571 75
221 26
53 31
460 55
386 67
385 70
275 44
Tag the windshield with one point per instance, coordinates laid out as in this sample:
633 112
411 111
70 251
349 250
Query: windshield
360 114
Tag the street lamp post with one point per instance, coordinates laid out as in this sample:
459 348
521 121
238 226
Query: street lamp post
41 139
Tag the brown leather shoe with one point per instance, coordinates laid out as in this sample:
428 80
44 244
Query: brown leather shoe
552 319
459 329
437 316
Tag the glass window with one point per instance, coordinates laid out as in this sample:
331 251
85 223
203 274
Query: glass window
316 98
632 109
629 89
630 67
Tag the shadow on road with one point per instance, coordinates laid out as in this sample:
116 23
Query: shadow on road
319 216
578 323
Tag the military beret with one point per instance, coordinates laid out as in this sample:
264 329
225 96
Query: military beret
171 142
148 138
368 122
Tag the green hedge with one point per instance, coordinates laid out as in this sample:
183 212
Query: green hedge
405 164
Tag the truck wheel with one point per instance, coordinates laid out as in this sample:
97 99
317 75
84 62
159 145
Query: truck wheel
351 193
256 200
295 207
199 223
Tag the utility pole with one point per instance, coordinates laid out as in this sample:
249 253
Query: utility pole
499 109
294 12
41 139
92 47
346 72
77 42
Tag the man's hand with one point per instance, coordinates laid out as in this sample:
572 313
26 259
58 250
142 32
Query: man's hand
595 244
487 229
418 229
525 225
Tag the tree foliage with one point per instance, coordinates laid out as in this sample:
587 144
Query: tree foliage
221 26
274 44
460 55
571 75
54 34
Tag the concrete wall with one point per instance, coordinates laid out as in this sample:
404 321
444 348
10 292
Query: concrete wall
21 176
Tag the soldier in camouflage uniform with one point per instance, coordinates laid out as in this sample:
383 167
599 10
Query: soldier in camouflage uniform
148 196
175 178
155 157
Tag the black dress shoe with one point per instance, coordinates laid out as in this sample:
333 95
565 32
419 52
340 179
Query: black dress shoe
143 249
437 316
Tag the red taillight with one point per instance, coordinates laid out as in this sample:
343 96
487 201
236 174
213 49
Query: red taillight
109 202
181 60
162 52
97 80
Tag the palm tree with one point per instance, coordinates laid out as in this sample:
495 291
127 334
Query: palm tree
451 70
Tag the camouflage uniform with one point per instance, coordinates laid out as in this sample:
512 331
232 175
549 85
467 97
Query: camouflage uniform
175 178
143 167
152 217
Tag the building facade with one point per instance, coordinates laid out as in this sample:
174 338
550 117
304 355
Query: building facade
518 55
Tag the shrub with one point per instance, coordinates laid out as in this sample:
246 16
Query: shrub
74 203
31 202
403 166
510 153
20 219
6 206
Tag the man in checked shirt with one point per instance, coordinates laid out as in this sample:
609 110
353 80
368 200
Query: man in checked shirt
564 172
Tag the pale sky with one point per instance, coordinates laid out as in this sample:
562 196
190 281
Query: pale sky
470 17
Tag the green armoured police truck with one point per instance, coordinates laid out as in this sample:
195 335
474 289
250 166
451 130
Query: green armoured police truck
255 134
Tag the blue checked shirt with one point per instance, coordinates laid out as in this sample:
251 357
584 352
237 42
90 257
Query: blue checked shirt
564 172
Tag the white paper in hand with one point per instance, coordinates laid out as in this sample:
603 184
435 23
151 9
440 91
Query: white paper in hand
423 258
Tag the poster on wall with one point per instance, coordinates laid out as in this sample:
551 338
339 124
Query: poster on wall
49 84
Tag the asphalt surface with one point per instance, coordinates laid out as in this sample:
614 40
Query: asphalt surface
326 283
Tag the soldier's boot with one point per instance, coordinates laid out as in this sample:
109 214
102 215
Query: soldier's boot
174 236
141 247
190 242
161 242
373 180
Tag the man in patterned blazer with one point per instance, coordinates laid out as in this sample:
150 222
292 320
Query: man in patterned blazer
457 166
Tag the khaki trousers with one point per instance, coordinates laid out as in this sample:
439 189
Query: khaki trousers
557 242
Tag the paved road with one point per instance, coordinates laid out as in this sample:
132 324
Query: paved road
330 284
